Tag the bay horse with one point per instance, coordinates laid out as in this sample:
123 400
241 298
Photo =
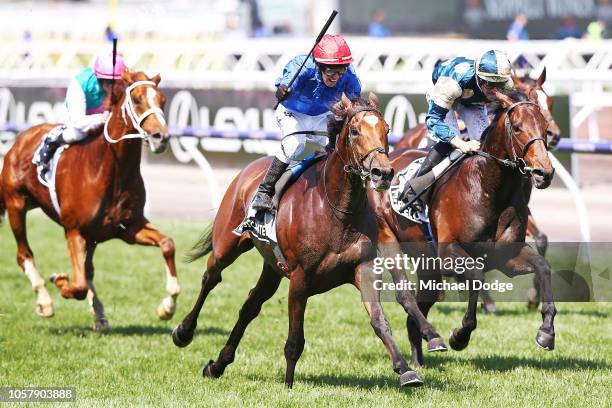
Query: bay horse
100 191
326 229
482 200
533 88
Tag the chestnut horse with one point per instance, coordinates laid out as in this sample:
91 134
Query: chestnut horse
100 192
326 229
482 200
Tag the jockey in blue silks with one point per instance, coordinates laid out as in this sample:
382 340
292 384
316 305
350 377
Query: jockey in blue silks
306 106
461 85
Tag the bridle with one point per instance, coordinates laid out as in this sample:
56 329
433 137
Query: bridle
517 162
358 168
127 109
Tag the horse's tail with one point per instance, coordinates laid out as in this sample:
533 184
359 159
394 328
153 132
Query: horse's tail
203 246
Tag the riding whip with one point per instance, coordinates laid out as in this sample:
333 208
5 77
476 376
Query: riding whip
114 61
321 34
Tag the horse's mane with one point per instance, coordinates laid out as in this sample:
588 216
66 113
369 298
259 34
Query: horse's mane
496 107
357 104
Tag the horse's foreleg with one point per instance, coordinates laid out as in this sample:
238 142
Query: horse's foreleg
541 242
426 297
263 290
371 300
149 235
460 337
390 249
78 289
529 261
101 324
25 257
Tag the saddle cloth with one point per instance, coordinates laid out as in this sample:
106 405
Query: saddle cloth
48 179
394 192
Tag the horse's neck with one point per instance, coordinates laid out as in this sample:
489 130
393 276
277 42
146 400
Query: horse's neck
496 181
344 191
123 156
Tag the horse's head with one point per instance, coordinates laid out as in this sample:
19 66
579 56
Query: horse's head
534 91
144 104
523 127
362 144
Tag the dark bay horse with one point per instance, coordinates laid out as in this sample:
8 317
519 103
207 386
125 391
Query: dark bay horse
482 200
100 192
326 229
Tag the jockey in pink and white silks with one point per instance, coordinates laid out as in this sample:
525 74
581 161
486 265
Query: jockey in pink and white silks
461 85
304 109
85 106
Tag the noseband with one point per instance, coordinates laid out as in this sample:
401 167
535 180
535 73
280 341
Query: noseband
517 162
127 109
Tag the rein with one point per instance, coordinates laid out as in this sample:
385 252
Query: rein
127 109
516 163
359 169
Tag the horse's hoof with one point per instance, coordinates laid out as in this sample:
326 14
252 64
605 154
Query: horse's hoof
163 313
101 326
45 310
410 379
207 370
179 338
489 308
455 343
545 340
56 277
436 344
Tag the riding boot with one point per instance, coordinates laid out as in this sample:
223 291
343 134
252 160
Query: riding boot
47 151
265 191
424 177
334 127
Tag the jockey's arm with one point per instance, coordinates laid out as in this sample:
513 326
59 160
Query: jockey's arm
443 96
76 106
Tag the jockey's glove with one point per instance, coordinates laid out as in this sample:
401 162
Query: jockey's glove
282 92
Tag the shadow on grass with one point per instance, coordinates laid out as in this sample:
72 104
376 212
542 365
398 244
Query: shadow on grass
390 382
458 307
509 363
132 330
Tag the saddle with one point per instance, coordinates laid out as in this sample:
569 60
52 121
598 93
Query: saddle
262 225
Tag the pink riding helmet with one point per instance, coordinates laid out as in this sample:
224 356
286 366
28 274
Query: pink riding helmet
103 67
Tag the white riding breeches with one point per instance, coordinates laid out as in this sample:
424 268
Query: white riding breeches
290 122
73 135
475 118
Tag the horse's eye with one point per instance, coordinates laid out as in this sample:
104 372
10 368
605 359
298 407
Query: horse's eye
137 100
353 131
516 128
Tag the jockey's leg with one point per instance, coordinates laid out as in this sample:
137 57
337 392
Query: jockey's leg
475 118
78 289
424 177
291 146
334 126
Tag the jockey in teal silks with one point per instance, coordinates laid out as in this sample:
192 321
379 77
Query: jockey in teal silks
461 85
306 106
85 104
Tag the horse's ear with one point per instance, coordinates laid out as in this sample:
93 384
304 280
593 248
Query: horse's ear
373 100
503 99
542 78
156 79
346 105
127 78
